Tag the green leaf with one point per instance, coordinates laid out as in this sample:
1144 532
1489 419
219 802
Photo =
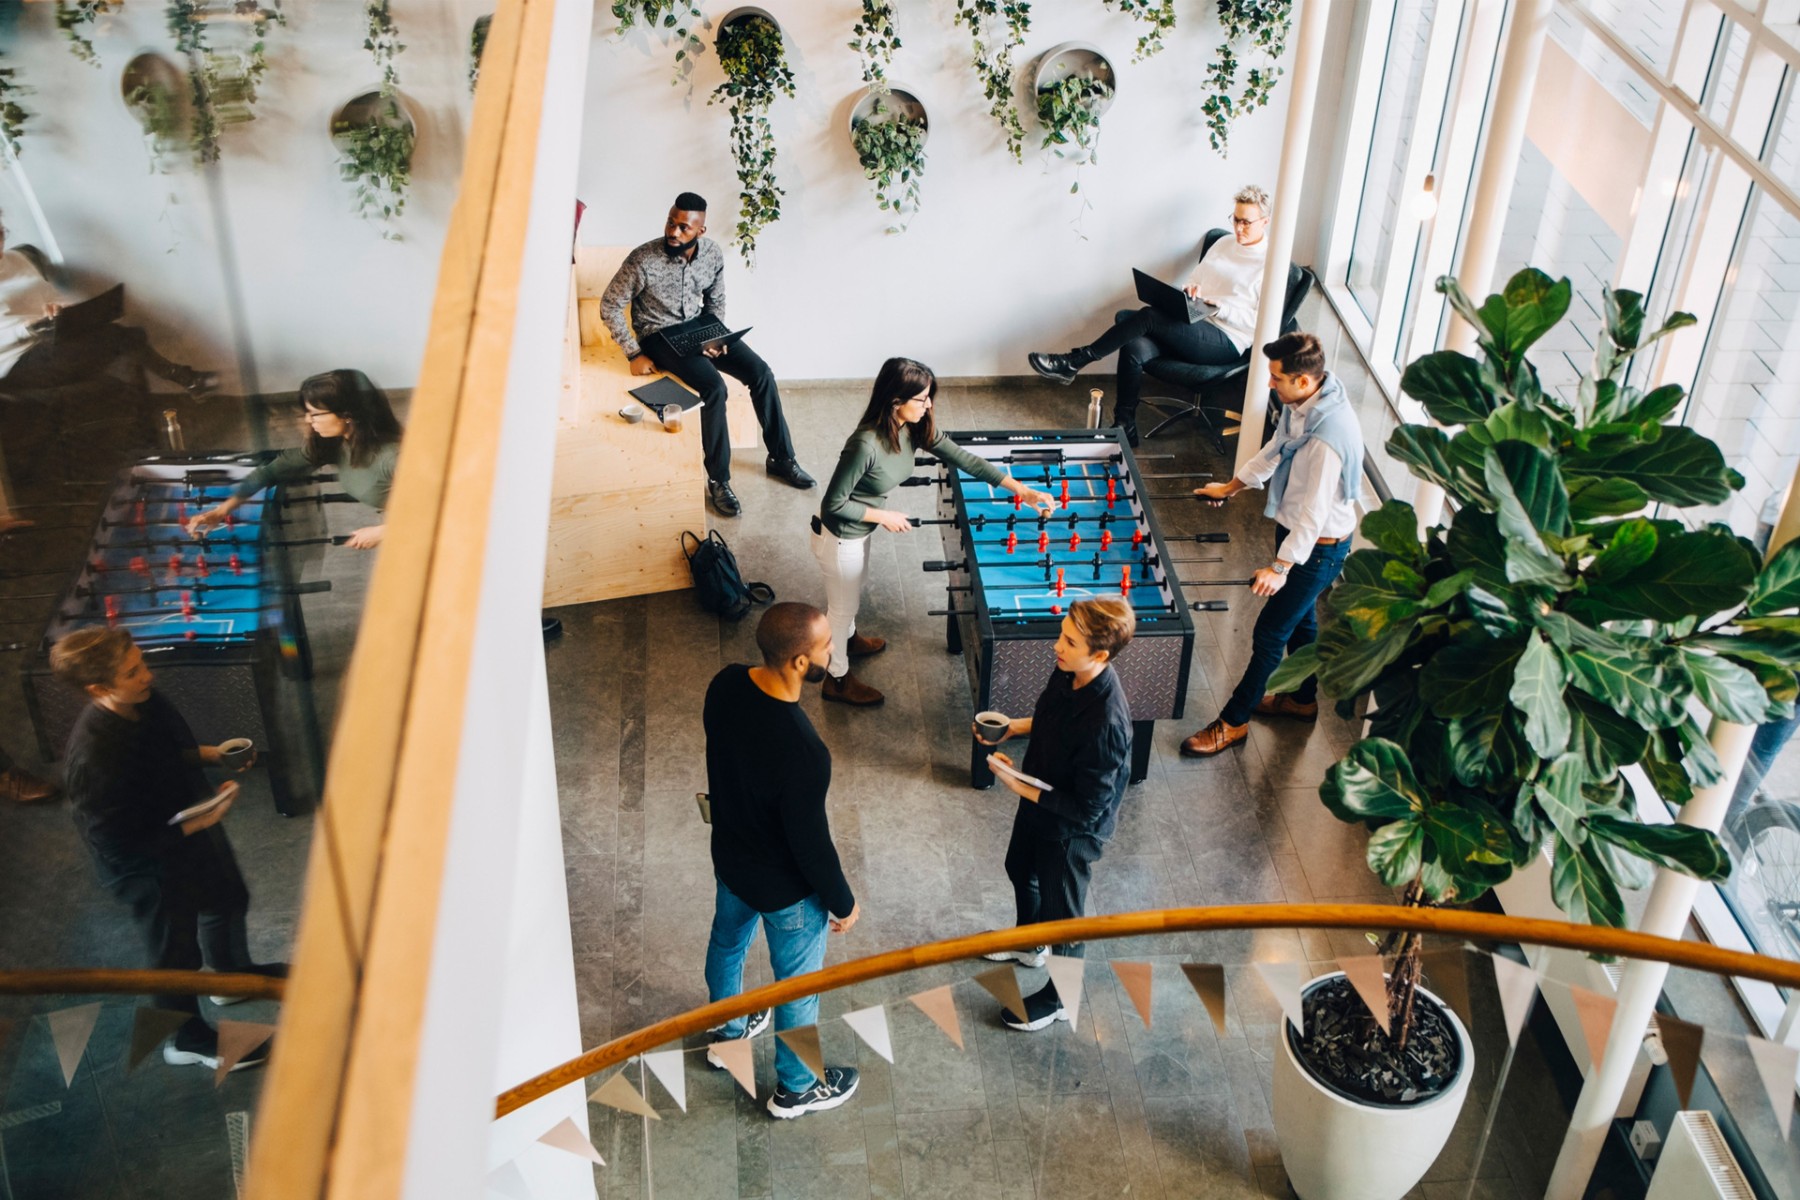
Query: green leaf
1680 467
1534 304
1606 738
1299 666
1529 490
1591 499
1774 646
1425 451
1475 544
1348 663
1624 312
1469 675
1666 775
1491 612
1447 588
1686 574
1537 692
1464 836
1394 527
1513 422
1449 385
1629 872
1438 883
1487 748
1779 686
1687 745
1629 676
1728 690
1685 848
1374 781
1652 406
1777 585
1582 886
1558 793
1396 851
1629 547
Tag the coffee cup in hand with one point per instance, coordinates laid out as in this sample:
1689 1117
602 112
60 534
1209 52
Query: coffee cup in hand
993 725
236 752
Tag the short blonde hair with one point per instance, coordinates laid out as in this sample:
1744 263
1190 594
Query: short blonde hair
1251 194
90 657
1105 624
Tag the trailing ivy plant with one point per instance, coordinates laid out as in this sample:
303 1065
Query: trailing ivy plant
892 154
874 38
680 16
1159 15
1266 24
223 83
159 112
1551 635
73 18
1069 110
478 36
756 70
382 41
997 28
13 115
375 157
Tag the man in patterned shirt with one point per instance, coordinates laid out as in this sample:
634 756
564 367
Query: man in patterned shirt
676 278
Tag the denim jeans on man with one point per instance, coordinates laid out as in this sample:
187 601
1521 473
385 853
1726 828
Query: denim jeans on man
1288 621
796 936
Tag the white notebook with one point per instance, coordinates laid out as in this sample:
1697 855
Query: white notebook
1000 768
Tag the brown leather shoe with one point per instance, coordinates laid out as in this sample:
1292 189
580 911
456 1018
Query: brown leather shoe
1281 704
851 690
862 647
22 787
1214 738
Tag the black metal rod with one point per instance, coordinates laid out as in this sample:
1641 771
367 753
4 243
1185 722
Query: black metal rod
1218 583
1216 536
1209 558
1210 606
950 612
204 544
1179 475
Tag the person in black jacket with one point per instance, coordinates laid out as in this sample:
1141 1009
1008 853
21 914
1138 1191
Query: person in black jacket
767 774
132 765
1081 746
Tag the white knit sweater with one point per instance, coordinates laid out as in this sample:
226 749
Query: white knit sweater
1231 276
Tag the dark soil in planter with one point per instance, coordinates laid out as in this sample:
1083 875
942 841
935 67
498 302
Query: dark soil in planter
1345 1050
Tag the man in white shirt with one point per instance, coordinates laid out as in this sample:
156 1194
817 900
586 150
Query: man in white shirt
1229 277
1313 469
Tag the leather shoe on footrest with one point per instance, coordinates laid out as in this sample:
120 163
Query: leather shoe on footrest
791 473
1126 423
724 500
862 647
1280 704
851 690
1055 367
1214 738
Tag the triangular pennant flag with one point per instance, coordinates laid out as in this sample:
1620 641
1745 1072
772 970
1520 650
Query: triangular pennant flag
1136 978
1068 974
509 1181
1369 977
1002 983
735 1054
1208 982
566 1135
670 1069
872 1027
940 1006
149 1026
1776 1064
1681 1040
70 1029
236 1039
803 1040
1596 1013
1283 979
618 1093
1518 988
1447 974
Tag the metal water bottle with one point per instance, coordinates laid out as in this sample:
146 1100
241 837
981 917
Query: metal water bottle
172 439
1094 395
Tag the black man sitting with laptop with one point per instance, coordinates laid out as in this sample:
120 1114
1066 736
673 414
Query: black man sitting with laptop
1211 320
675 286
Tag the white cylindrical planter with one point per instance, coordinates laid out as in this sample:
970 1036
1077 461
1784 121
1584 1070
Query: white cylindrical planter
1337 1148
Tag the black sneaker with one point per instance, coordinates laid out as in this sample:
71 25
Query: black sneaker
724 500
1058 367
838 1086
790 473
1025 958
1043 1007
196 1044
753 1025
272 970
1127 424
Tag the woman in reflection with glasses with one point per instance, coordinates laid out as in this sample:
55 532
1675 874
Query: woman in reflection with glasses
349 427
1228 277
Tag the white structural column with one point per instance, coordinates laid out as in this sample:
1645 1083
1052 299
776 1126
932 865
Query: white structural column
1494 176
1303 92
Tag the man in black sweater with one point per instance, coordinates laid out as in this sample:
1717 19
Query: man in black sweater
131 766
1081 746
767 773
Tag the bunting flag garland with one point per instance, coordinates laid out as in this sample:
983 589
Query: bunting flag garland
1368 976
1776 1064
1208 982
804 1042
670 1069
1002 983
1283 979
1518 989
618 1093
871 1026
940 1006
566 1136
1596 1013
509 1181
236 1039
1136 979
70 1029
1068 974
1681 1041
1447 975
735 1054
149 1028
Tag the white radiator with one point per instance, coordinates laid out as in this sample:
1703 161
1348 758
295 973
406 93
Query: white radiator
1696 1164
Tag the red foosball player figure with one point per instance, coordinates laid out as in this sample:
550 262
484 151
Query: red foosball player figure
139 566
112 610
1106 539
201 567
1137 537
175 565
1125 582
1112 491
236 564
97 565
187 606
1059 582
137 514
1018 501
1044 542
1064 495
1074 541
1012 542
230 522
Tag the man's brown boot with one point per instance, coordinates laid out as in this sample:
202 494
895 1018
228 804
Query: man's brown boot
1214 738
851 690
22 787
861 647
1283 705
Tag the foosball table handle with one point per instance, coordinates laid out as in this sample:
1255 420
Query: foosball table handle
1210 606
1215 536
938 564
919 481
950 612
308 589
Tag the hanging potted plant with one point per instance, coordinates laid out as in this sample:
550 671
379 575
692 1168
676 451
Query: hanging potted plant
873 38
374 133
678 16
478 35
755 62
13 115
151 87
997 28
73 19
1075 85
1520 658
1158 15
888 131
1265 25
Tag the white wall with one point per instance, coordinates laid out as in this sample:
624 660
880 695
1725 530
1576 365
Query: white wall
992 266
322 289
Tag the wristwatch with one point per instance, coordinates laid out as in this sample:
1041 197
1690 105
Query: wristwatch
1280 568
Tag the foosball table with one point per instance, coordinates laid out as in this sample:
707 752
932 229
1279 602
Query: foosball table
1014 572
218 618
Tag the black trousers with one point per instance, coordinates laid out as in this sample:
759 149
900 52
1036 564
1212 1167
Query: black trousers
1146 334
121 351
1050 876
702 374
189 908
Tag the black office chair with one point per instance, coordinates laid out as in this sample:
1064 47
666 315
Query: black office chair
1197 378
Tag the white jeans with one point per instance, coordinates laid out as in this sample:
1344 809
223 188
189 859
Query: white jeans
844 562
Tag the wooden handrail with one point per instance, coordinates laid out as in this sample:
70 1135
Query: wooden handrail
1456 923
107 981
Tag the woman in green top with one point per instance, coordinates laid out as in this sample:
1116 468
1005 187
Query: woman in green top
877 459
349 426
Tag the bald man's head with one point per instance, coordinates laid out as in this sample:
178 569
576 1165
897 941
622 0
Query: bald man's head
789 630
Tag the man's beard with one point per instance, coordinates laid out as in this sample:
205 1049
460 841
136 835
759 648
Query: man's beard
674 251
815 673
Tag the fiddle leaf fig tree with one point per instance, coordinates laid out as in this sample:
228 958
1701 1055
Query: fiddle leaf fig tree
756 70
1553 633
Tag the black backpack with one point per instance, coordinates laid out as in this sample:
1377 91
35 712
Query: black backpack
718 584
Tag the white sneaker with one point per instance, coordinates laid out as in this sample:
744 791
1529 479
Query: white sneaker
754 1024
1025 958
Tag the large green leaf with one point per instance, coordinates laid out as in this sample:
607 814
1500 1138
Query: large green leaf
1778 584
1607 738
1299 666
1491 612
1448 384
1537 692
1685 575
1534 303
1591 499
1373 782
1487 748
1651 406
1772 646
1629 546
1624 314
1513 422
1394 527
1730 691
1425 449
1349 663
1779 686
1559 794
1582 886
1631 676
1447 589
1681 467
1528 487
1396 851
1465 838
1475 544
1629 872
1686 743
1668 778
1470 675
1684 848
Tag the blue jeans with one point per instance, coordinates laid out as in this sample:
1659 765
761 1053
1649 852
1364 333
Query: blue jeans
796 937
1287 622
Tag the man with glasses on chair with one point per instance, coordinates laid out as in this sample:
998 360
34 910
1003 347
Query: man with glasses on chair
1229 278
